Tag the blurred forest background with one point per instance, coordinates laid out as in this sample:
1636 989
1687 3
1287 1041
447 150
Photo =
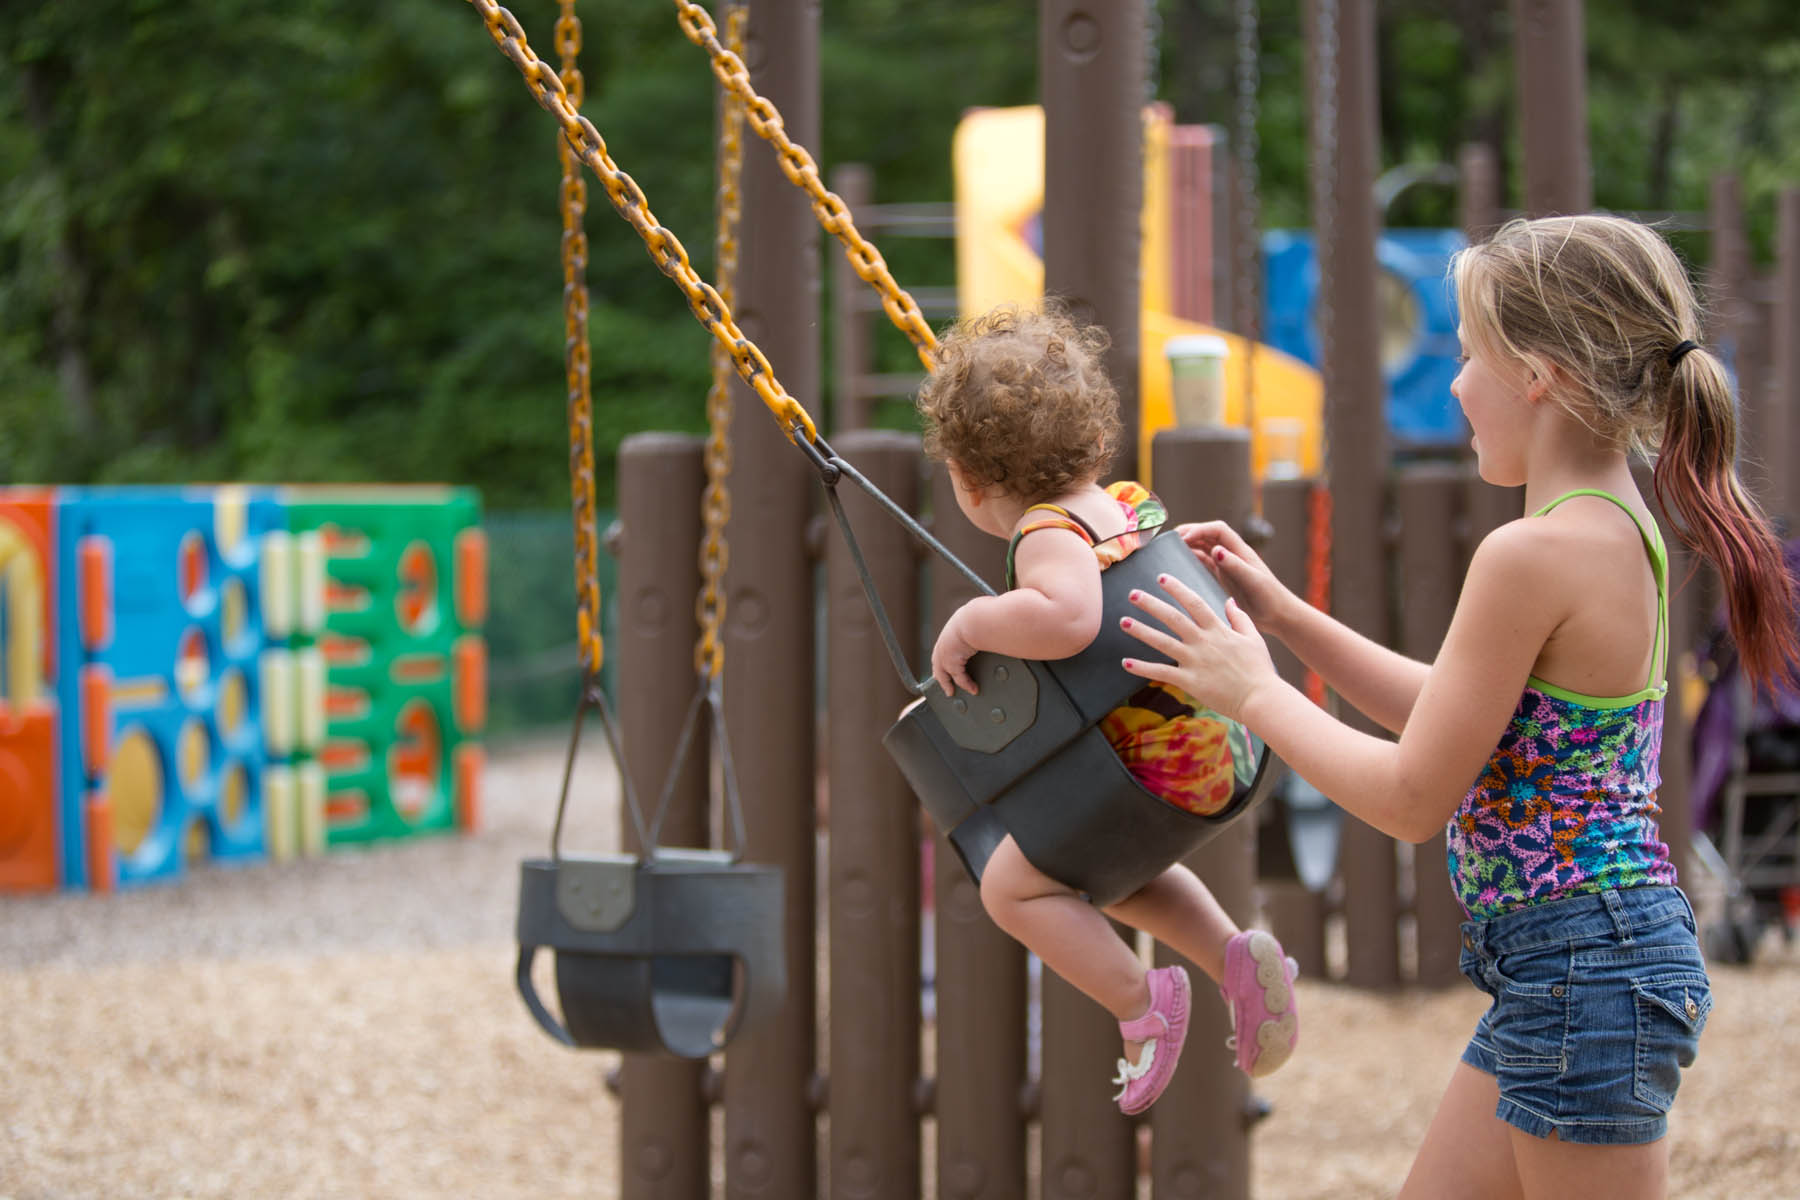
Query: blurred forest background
318 240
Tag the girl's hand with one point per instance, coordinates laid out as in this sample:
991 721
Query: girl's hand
950 657
1240 570
1220 665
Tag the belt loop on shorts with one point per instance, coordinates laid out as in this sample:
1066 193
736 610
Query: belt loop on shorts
1615 908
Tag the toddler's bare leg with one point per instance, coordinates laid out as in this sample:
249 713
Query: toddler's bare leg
1179 911
1068 933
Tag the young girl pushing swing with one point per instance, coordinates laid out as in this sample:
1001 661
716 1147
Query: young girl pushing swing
1019 407
1533 738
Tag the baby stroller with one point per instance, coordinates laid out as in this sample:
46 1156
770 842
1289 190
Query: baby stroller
1746 798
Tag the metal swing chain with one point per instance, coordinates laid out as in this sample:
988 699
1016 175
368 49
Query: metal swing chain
577 360
628 200
1325 138
833 215
715 504
1249 215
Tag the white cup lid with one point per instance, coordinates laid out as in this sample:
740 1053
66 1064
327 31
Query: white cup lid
1197 345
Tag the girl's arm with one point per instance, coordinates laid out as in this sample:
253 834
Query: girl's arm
1511 602
1053 612
1379 682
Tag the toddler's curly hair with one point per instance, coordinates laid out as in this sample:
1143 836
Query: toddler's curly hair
1019 398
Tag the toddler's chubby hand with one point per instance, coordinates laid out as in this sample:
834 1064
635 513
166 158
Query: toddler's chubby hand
1220 664
950 657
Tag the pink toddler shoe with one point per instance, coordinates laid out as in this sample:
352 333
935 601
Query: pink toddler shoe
1259 990
1162 1030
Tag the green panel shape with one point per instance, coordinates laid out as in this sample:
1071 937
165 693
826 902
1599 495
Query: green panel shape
391 628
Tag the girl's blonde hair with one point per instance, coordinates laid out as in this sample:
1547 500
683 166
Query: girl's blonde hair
1602 309
1019 398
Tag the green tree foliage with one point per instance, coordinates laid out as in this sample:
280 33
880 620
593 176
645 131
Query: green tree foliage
319 240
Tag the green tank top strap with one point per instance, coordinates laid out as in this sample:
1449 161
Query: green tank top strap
1659 567
1059 518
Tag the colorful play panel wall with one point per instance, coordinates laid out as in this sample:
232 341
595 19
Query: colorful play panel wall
233 674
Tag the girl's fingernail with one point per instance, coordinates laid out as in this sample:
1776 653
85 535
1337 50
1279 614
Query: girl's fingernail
1130 663
1163 579
1135 594
1219 554
1125 623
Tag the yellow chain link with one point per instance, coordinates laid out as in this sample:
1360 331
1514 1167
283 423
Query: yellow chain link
709 607
577 361
627 198
803 173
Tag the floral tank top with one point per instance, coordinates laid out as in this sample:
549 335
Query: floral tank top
1178 749
1567 803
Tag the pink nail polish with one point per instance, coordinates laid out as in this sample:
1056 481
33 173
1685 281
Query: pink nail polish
1125 623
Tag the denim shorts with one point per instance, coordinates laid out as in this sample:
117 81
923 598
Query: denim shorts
1599 1001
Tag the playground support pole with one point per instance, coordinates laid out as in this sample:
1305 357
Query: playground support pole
1428 499
1785 452
1735 331
980 972
1550 53
854 184
874 857
663 1127
1296 913
1091 76
1200 1127
770 1139
1356 427
1480 191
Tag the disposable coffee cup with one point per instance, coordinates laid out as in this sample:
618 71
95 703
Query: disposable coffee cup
1281 446
1197 378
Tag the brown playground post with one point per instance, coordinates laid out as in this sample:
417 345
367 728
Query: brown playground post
1785 452
981 1063
1091 77
852 350
1736 330
1200 1142
1356 428
1428 498
1550 57
1296 913
663 1142
1479 196
873 869
770 1139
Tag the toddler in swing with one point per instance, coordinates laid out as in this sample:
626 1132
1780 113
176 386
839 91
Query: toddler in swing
1019 408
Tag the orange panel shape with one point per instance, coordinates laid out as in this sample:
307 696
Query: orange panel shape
471 684
28 854
471 578
96 717
469 761
93 562
103 864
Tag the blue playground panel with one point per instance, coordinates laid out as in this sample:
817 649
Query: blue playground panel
183 777
1419 356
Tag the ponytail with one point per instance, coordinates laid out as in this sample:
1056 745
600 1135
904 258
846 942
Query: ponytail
1696 484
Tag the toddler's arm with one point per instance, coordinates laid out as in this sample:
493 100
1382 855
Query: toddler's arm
1053 612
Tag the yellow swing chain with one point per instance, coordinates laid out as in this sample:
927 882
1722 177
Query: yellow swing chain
715 504
577 361
627 198
833 215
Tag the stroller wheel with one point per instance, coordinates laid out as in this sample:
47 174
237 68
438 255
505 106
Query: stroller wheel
1729 941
